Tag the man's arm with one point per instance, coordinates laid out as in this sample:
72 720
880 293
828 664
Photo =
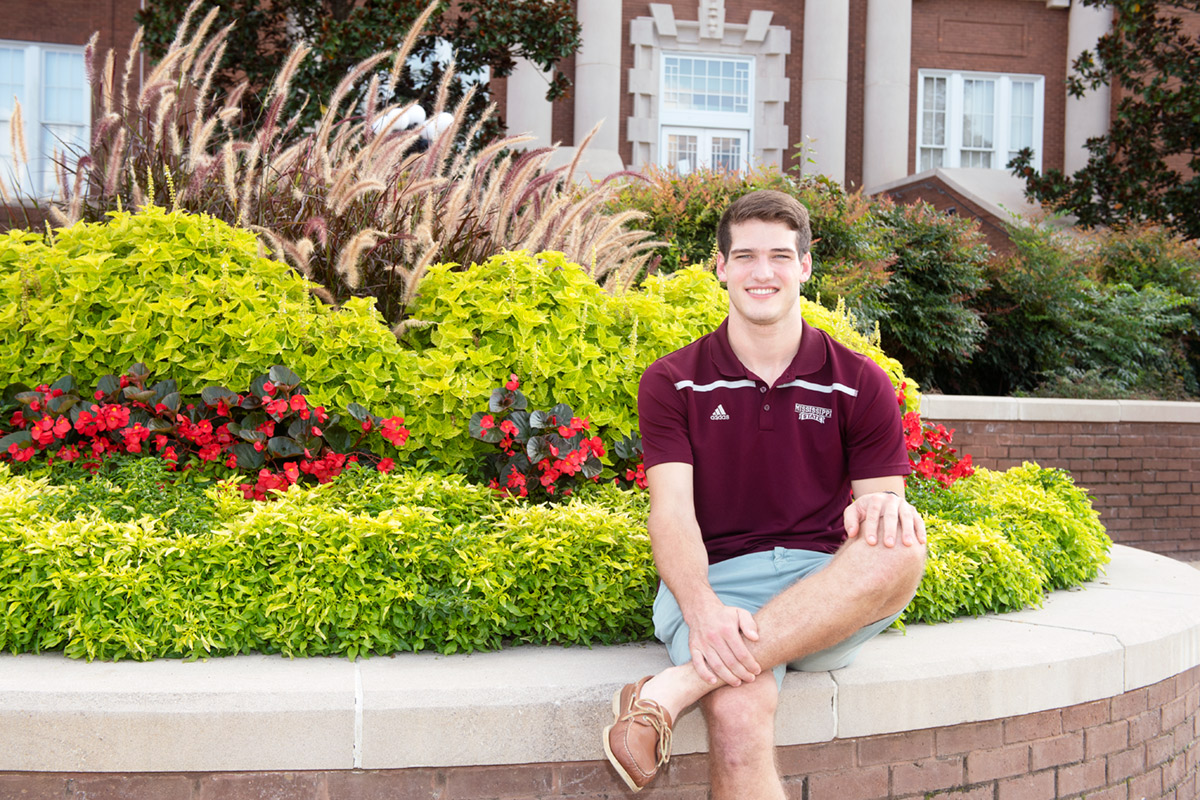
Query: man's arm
881 515
718 650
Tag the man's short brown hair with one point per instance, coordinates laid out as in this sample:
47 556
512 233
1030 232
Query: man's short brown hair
766 205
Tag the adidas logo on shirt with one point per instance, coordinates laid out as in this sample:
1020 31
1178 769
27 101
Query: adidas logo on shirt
719 413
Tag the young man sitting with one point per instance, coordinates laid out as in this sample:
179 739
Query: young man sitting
775 460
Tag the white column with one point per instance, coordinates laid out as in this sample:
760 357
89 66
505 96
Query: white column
823 89
886 91
598 73
1086 116
527 110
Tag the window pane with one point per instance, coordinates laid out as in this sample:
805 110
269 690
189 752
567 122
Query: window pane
726 153
12 79
979 123
64 97
1020 132
681 152
706 84
933 112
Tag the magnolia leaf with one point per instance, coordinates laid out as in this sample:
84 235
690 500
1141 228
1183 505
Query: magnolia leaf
283 377
211 395
137 395
12 390
504 399
591 468
108 385
562 414
538 448
299 427
19 438
66 383
248 457
521 420
475 427
256 386
62 403
338 438
164 388
628 447
285 447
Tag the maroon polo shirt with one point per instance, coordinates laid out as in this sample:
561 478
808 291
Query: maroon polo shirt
772 465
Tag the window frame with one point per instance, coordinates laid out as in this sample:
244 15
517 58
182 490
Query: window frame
707 124
37 178
1002 116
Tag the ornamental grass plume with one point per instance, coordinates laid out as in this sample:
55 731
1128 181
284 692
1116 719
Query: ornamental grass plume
356 208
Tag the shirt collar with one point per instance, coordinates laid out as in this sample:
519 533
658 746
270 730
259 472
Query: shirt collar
809 358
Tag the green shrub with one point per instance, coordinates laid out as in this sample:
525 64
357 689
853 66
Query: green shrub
683 210
1047 517
370 564
998 541
190 297
375 563
971 570
1049 321
545 320
931 326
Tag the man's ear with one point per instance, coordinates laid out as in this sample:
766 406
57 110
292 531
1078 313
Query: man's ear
720 267
806 267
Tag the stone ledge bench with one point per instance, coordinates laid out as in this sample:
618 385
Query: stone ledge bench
1096 692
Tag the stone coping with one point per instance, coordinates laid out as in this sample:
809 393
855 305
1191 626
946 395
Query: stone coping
1137 624
1052 409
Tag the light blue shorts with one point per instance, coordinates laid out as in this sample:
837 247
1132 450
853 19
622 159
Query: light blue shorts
748 582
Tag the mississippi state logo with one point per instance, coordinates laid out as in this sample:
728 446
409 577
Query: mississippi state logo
815 413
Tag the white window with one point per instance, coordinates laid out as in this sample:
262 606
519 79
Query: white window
705 112
49 83
976 119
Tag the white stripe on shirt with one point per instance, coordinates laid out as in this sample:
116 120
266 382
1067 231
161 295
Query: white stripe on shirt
816 387
708 387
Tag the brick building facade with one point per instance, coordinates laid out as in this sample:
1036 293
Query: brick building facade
877 90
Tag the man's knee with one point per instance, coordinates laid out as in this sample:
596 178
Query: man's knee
889 572
741 720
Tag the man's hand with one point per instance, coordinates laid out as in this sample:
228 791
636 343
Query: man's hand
717 639
883 517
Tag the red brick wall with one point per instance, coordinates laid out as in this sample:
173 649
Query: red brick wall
1145 477
1014 36
1141 745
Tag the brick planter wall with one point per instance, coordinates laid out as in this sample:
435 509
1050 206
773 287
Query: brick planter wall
1144 476
1141 745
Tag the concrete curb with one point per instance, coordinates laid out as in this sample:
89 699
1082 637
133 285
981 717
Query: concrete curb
1136 625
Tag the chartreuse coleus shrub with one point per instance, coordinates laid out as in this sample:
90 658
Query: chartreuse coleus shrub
543 319
189 296
998 541
371 563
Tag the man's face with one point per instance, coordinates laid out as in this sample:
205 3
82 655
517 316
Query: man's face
763 271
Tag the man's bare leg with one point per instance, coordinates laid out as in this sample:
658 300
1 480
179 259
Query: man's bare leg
741 741
863 583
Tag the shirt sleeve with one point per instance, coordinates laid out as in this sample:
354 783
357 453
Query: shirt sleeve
662 418
875 436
